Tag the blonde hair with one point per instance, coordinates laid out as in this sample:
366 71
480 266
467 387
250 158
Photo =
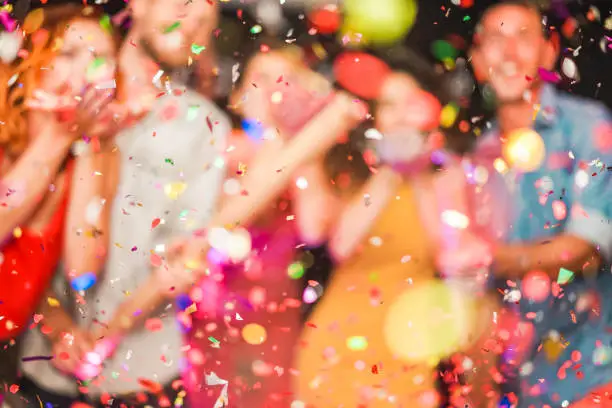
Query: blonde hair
23 73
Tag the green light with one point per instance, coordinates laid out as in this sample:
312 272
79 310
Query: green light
357 343
296 270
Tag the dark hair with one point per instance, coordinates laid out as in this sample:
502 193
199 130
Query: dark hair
536 6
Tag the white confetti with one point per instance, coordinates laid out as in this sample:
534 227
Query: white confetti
223 400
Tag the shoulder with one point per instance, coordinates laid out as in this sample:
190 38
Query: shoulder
581 110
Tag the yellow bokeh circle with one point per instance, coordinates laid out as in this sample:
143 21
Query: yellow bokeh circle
429 321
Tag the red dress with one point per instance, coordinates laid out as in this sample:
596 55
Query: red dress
28 263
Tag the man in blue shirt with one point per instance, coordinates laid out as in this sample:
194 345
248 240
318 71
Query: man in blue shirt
562 210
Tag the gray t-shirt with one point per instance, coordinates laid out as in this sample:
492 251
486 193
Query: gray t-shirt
171 174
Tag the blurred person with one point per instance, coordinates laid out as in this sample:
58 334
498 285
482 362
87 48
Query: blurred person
258 290
381 247
169 179
562 210
57 158
195 257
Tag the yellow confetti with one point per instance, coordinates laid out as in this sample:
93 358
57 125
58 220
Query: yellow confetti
174 190
191 309
17 232
53 302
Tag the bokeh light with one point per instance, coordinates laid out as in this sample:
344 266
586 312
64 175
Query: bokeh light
524 150
254 334
380 21
536 286
428 322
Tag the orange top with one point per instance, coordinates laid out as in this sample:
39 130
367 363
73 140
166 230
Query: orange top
28 264
336 366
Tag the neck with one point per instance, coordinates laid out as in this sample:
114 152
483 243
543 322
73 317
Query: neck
518 114
137 70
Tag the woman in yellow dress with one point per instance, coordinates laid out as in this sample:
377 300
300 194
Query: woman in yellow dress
385 244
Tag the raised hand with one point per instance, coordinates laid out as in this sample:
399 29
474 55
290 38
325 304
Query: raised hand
94 113
71 349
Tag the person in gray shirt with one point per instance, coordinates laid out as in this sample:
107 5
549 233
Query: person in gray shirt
170 178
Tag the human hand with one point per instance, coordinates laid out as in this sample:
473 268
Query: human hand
184 266
70 349
94 113
468 259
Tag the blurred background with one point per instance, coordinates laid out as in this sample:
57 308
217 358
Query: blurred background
440 32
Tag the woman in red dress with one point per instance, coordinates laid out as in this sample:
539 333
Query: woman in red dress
54 150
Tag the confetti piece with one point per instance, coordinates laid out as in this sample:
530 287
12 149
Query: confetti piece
536 286
197 49
213 340
174 190
565 276
192 113
172 27
296 270
223 400
155 223
154 324
53 302
17 232
36 358
84 282
105 23
156 260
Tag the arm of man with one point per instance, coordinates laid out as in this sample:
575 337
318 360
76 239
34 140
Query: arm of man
587 239
340 116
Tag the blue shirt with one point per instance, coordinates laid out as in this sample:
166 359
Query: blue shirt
574 176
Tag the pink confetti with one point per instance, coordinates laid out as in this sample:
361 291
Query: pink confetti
549 76
154 324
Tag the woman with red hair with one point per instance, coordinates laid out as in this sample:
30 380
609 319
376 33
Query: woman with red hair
55 147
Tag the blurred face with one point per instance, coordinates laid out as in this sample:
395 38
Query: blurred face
511 47
86 55
403 105
167 29
404 115
253 99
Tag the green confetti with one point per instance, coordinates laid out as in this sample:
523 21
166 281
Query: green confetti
183 214
213 340
105 23
93 67
197 49
169 161
565 276
192 113
466 18
256 29
172 27
296 270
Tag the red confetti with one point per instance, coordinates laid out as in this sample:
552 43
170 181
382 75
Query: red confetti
154 324
156 260
155 223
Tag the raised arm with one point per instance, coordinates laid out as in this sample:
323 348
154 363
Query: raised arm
29 178
277 168
587 238
86 231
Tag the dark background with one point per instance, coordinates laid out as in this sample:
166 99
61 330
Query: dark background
439 19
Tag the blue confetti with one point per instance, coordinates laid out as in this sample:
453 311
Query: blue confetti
253 128
84 281
504 403
183 302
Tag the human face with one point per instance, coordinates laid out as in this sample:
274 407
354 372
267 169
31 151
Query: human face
510 48
86 55
167 29
403 105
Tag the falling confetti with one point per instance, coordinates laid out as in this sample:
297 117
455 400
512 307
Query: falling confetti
84 282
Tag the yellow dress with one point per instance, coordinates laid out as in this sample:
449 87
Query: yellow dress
342 359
